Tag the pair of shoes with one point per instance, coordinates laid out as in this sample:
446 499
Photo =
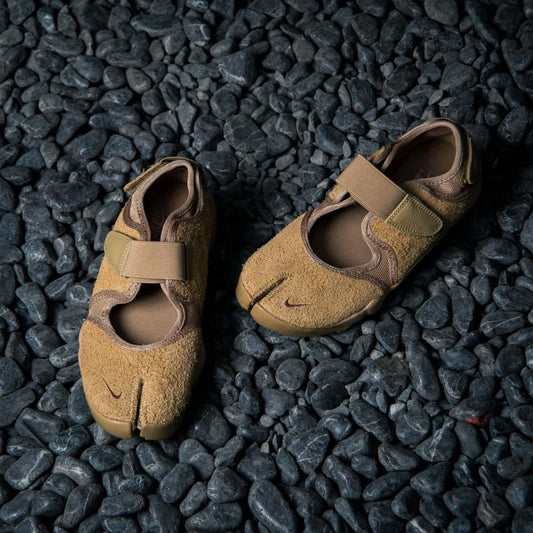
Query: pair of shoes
141 347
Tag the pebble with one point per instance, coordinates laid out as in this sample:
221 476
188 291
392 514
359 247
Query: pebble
239 68
309 448
492 510
216 517
226 486
81 503
423 375
434 312
274 99
270 508
371 420
23 472
121 505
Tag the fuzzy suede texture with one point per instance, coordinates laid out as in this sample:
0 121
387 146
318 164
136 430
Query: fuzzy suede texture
154 381
197 236
330 297
283 271
410 249
162 376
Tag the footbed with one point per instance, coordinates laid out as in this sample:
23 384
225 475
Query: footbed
150 316
337 238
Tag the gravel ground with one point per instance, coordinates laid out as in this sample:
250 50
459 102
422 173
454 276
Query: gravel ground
420 417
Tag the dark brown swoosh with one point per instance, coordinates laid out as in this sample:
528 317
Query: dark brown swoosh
116 396
287 304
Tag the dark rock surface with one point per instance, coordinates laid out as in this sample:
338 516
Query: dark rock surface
419 418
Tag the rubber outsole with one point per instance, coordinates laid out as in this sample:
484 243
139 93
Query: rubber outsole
269 321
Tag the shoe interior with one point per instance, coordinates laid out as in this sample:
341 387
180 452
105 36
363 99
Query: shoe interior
336 237
149 317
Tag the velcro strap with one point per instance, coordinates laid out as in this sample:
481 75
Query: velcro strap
145 261
383 198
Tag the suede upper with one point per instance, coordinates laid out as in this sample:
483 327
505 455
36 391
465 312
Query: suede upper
140 386
289 284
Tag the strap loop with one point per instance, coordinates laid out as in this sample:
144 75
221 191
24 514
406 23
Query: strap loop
383 198
145 261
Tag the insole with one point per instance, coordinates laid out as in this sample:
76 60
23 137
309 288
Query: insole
337 238
432 158
150 316
146 319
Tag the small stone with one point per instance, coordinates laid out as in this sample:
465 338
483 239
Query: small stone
33 298
499 250
445 12
277 402
329 139
309 448
432 480
210 427
423 375
70 441
270 508
257 465
371 420
226 486
81 503
513 467
402 79
396 458
502 322
242 133
215 517
102 458
153 461
514 125
90 145
21 474
333 371
176 483
12 404
510 298
492 510
439 447
388 334
239 68
459 358
522 417
386 486
123 504
291 374
463 308
343 476
11 377
435 312
458 77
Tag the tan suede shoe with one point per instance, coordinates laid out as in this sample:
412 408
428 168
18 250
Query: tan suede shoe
141 345
336 264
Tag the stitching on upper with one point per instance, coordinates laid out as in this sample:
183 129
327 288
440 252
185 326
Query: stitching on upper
404 227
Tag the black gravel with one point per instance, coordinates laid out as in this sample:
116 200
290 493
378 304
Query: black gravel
417 419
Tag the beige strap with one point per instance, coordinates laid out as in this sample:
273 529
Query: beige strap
145 261
383 198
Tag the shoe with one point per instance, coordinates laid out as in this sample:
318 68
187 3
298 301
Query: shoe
141 346
335 264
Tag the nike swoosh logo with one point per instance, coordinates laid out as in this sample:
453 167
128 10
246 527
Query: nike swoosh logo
116 396
289 305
